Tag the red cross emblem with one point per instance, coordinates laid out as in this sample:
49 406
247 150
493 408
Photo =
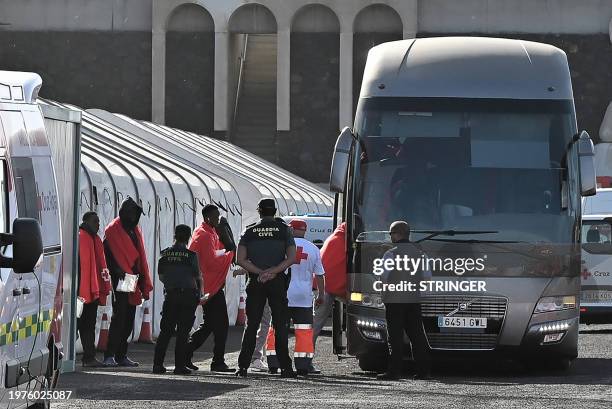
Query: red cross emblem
586 273
300 255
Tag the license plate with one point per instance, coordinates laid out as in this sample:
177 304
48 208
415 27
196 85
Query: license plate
462 322
595 296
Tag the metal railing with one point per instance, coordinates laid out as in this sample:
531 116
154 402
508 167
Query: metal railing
239 83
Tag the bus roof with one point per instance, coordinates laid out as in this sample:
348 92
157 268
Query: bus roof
467 67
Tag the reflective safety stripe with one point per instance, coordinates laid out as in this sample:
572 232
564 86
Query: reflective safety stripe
270 341
25 327
303 355
268 353
302 326
303 341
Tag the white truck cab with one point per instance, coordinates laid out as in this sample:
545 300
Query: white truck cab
596 271
30 257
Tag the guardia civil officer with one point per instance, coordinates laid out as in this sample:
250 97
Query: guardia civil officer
179 271
266 250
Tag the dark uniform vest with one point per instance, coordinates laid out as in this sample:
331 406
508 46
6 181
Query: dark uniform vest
267 242
178 268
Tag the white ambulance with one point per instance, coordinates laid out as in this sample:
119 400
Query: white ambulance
318 227
596 271
30 256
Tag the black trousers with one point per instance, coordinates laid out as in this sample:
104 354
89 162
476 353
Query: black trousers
275 293
406 317
86 325
122 324
214 313
178 312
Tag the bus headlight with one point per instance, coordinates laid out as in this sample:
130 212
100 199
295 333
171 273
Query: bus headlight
549 304
367 300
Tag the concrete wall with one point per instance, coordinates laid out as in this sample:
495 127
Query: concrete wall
157 59
307 148
76 15
93 69
485 16
190 67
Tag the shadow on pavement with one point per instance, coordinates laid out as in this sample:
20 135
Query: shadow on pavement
130 386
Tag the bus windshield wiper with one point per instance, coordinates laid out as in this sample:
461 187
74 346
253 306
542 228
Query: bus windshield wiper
434 233
472 241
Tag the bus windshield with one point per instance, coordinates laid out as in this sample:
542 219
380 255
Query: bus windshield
464 164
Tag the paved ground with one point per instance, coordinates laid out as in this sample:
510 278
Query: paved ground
484 385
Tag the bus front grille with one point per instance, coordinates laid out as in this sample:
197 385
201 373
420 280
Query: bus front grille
491 308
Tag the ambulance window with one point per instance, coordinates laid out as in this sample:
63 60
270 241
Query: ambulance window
597 236
37 197
25 188
3 197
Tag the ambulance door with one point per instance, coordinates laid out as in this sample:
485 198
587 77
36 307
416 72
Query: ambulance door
596 272
37 198
8 281
11 127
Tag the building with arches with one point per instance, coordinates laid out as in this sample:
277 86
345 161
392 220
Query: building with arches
277 77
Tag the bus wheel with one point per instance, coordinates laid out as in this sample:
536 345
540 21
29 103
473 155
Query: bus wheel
550 364
373 363
559 364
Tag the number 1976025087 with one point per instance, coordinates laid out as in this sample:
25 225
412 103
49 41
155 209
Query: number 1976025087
39 395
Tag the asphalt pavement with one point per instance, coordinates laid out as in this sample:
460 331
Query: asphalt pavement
462 384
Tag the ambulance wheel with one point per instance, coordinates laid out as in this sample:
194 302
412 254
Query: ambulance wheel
48 383
43 404
373 363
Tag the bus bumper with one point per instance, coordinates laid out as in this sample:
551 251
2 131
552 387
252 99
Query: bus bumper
552 338
366 331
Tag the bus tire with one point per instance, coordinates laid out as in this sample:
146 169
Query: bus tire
559 364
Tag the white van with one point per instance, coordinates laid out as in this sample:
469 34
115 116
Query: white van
596 271
30 257
318 227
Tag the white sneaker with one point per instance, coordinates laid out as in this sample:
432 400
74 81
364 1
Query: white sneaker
258 366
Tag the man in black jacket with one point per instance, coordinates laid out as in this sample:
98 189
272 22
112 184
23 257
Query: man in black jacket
403 308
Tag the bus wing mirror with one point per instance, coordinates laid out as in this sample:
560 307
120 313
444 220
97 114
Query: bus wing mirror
27 245
586 158
340 160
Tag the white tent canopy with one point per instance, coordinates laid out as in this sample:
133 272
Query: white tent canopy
173 174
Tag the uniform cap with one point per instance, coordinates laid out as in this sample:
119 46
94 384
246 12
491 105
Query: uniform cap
266 204
298 224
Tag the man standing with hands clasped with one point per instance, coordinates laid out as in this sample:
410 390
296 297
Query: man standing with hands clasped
307 263
266 250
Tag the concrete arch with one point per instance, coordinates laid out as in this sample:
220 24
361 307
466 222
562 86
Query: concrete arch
252 18
189 48
378 18
315 18
189 17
